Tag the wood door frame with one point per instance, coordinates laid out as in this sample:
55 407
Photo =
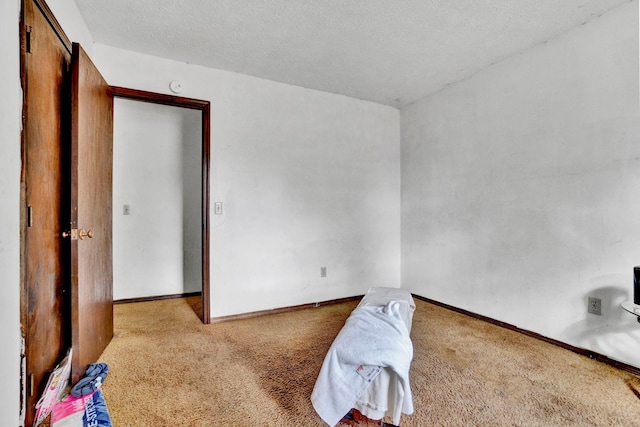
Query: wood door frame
205 108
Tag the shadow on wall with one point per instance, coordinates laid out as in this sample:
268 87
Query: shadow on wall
615 331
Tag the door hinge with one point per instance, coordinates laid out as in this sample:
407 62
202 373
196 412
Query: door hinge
28 39
29 216
31 385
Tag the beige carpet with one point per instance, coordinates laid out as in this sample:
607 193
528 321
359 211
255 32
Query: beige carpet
167 369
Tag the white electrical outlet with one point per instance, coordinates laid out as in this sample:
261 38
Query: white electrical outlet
594 306
323 271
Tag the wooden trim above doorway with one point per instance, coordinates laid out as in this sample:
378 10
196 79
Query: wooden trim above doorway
205 108
160 98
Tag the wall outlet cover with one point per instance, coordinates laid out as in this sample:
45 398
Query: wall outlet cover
594 306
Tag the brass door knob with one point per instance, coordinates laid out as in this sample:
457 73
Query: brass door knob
73 234
82 234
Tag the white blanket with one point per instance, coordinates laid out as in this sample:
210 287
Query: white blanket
371 336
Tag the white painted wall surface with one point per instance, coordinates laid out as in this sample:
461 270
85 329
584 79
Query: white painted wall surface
10 164
308 179
520 188
192 200
156 161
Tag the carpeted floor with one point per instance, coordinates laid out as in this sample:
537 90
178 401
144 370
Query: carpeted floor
167 369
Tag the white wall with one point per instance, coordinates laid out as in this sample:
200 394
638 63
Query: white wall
520 188
192 200
156 172
308 179
10 164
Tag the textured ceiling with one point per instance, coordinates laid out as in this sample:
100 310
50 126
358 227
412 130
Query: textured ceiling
391 52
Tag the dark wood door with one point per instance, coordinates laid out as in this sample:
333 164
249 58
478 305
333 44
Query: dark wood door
91 212
44 304
66 183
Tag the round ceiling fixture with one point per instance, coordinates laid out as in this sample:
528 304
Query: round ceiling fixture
175 86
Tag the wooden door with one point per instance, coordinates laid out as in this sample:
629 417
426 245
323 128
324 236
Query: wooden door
56 315
45 58
91 212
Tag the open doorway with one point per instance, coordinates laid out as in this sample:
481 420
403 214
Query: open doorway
161 198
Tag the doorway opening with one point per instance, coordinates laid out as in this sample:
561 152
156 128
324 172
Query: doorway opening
193 220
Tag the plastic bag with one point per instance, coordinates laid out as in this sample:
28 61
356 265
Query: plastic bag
85 411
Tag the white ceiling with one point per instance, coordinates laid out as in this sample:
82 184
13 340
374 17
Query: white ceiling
387 51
